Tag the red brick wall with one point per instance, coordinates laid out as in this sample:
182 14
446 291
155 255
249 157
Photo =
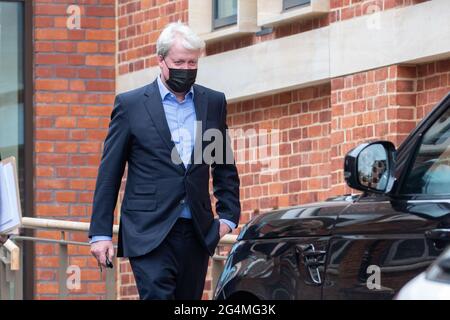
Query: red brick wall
433 84
74 91
140 23
303 120
348 9
377 104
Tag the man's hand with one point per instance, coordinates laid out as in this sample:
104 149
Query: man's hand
100 249
224 229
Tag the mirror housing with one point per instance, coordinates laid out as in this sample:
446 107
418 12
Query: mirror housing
370 167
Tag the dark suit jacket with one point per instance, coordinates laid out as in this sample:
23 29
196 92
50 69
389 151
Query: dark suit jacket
139 134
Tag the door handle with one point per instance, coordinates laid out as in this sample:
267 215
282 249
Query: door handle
313 260
438 234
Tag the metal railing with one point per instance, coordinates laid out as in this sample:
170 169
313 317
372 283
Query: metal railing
10 271
11 257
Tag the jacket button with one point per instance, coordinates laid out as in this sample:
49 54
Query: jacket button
182 201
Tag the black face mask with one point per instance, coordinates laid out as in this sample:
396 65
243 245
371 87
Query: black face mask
181 80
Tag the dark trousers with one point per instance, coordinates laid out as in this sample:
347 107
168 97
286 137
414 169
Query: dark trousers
176 269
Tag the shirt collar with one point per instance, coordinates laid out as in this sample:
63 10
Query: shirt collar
164 91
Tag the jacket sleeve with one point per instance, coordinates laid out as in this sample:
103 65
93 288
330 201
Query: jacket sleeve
110 172
225 177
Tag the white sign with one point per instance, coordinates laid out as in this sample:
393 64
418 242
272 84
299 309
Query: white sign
10 209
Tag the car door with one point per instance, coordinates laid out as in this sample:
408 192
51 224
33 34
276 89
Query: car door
383 240
280 255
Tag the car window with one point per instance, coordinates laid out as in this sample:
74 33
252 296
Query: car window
430 173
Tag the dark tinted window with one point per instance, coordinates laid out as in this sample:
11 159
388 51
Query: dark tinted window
288 4
430 173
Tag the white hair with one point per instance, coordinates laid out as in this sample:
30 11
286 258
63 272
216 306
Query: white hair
190 40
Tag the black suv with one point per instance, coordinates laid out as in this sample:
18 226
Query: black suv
364 246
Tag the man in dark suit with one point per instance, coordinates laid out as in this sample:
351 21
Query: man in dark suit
167 227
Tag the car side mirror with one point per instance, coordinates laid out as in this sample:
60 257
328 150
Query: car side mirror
370 167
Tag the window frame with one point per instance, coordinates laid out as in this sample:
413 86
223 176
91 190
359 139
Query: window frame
416 138
290 4
272 13
218 23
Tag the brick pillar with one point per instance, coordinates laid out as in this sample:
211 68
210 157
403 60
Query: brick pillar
75 85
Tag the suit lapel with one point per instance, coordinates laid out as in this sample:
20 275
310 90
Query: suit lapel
154 107
201 111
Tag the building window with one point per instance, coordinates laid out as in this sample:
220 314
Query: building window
215 20
288 4
16 110
12 83
224 13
